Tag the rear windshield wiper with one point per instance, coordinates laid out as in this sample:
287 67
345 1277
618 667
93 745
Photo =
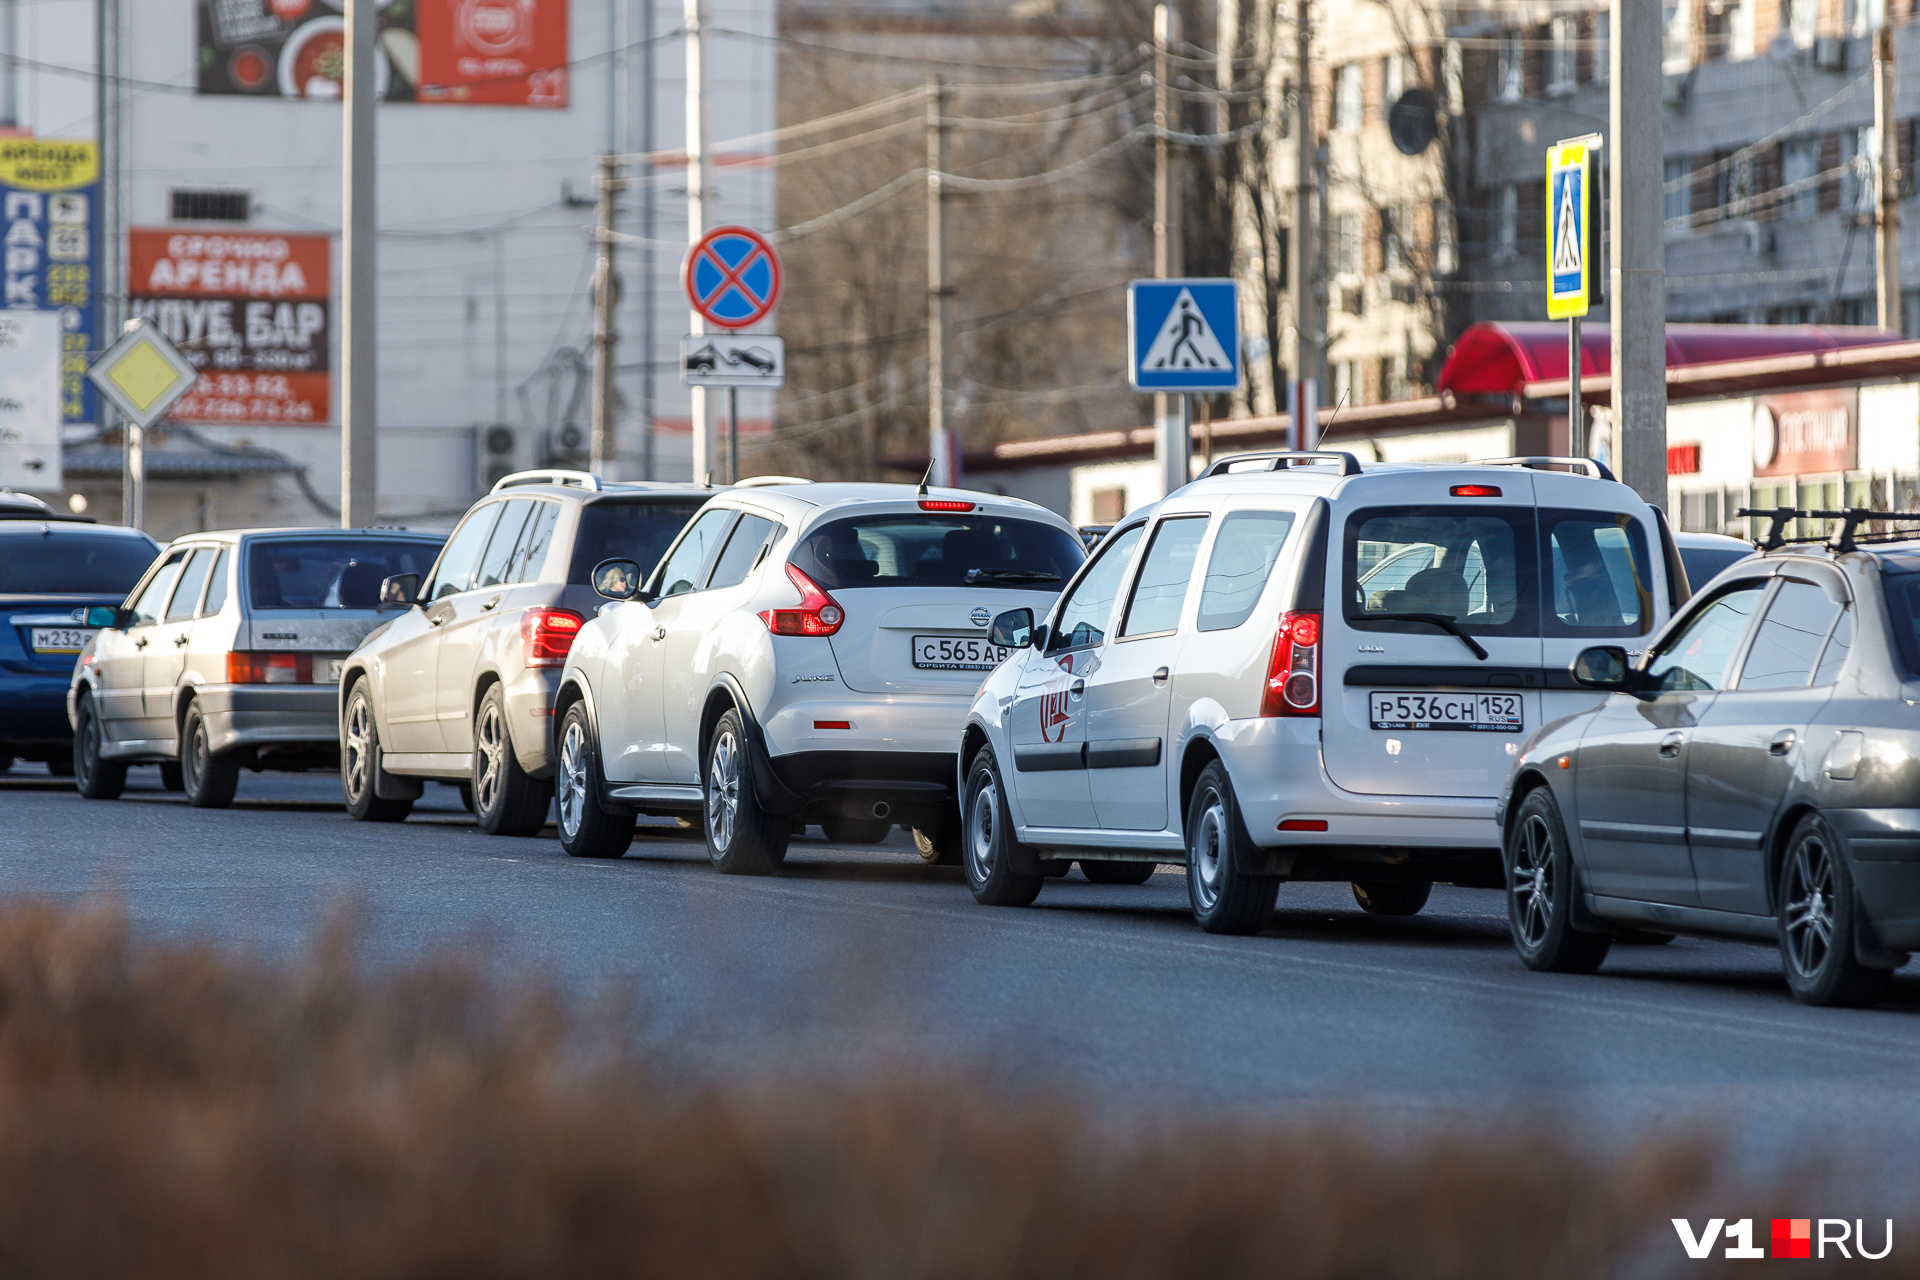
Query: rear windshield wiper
1443 621
1011 575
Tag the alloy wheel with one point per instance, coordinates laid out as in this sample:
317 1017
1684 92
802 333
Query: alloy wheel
1532 880
723 791
1809 914
1208 849
980 832
486 788
573 779
359 748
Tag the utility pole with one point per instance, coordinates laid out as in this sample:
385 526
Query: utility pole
111 289
1303 397
698 195
1172 439
359 486
606 338
940 435
647 406
1638 300
1887 180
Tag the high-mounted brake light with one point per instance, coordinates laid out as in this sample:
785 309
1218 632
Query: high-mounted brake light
269 668
944 504
548 635
1293 673
1475 491
817 614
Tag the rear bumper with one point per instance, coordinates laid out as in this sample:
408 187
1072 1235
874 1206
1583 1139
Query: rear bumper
33 710
877 723
1885 849
915 786
263 715
530 718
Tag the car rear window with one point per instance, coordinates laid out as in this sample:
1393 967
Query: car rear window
72 562
1903 604
916 549
637 531
329 573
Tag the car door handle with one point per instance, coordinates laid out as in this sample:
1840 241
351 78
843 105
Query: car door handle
179 639
1782 743
1670 745
1160 675
659 633
436 619
491 603
141 643
1079 687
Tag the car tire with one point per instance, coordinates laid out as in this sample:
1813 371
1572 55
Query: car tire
1819 922
1103 872
743 839
95 778
360 762
941 846
507 800
1540 892
586 829
171 776
991 847
209 780
1392 897
60 767
1224 899
855 830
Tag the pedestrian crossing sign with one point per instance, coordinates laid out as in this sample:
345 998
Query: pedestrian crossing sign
1569 238
1183 335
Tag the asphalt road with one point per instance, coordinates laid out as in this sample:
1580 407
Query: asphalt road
856 958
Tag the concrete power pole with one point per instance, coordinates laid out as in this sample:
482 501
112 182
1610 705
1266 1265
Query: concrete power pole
1172 440
359 485
699 193
606 299
110 36
1638 299
1887 180
940 435
1303 398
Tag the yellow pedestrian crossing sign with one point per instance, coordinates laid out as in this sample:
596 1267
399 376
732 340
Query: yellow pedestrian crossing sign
1569 237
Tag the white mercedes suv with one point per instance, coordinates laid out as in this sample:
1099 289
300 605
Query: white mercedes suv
804 653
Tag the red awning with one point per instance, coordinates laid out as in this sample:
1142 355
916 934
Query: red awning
1501 358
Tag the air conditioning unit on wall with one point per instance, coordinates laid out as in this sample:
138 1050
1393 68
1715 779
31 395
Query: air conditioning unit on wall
1830 53
500 450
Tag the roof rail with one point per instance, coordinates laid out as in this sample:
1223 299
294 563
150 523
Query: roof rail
768 482
1282 459
1842 540
573 479
1592 466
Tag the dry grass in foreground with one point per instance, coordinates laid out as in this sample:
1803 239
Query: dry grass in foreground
174 1111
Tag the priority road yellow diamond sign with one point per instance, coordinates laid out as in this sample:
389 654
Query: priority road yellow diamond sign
143 373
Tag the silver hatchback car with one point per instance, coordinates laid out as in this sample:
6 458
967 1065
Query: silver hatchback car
226 654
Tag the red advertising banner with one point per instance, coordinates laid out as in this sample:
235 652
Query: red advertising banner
512 52
251 309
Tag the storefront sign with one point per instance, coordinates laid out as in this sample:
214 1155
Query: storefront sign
48 201
1806 433
1683 459
30 396
500 52
251 310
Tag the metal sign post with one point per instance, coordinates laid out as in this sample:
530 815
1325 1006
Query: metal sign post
1570 259
1182 336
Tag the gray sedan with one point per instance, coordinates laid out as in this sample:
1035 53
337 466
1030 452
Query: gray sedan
1753 775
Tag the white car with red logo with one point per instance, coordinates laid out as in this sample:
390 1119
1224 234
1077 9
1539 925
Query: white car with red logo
1299 668
803 653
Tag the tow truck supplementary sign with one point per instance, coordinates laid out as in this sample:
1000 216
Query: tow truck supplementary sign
1569 237
733 277
1183 335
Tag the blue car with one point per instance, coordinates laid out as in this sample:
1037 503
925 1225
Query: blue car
52 567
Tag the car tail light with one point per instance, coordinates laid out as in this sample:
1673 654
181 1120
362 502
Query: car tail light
1303 824
547 635
269 668
816 615
945 504
1475 491
1293 673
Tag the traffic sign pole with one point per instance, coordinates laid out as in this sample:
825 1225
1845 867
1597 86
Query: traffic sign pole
1183 336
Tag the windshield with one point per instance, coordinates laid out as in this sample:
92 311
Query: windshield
637 531
72 562
915 549
329 573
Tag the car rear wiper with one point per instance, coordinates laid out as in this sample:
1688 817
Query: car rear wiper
1011 575
1441 620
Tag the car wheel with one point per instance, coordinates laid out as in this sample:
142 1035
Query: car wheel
941 846
507 800
1818 922
360 762
586 830
855 830
1102 872
1392 897
208 780
1224 899
171 777
987 829
1540 889
96 779
742 838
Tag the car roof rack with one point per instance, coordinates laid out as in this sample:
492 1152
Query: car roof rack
15 505
1543 462
571 479
1284 459
1842 540
768 482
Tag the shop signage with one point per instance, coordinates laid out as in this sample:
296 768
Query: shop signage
1806 433
49 200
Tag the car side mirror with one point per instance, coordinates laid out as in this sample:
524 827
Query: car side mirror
1606 667
617 579
400 589
1012 629
1040 634
106 615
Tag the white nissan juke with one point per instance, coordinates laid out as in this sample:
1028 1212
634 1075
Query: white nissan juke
804 653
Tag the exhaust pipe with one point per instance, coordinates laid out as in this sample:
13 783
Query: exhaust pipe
882 809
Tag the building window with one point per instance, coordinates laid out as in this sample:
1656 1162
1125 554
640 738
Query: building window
1393 77
210 206
1510 68
1800 176
1676 41
1562 52
1392 251
1455 77
1801 18
1446 241
1679 191
1346 96
1740 29
1864 17
1506 223
1343 380
1109 504
1602 45
1346 244
1858 191
1393 378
